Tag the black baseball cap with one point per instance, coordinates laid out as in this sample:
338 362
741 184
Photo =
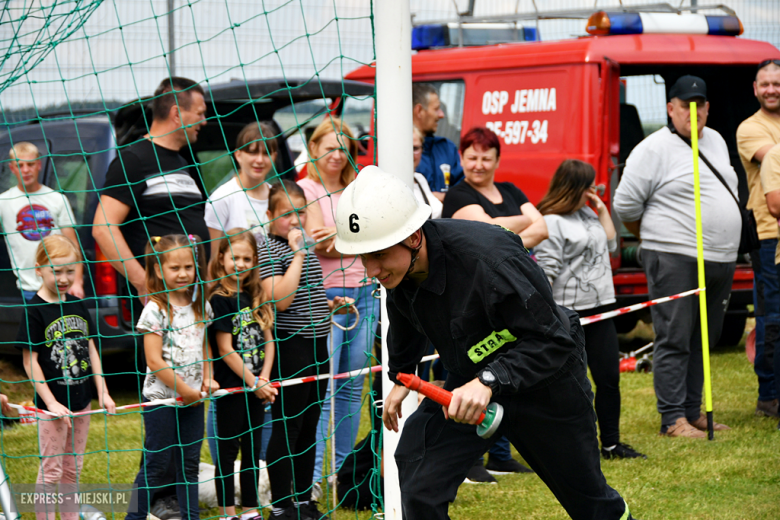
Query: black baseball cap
688 87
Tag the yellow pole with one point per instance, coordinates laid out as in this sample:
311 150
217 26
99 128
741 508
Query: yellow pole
705 337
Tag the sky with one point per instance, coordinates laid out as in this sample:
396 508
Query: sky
116 50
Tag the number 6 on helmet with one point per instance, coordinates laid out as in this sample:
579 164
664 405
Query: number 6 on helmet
376 211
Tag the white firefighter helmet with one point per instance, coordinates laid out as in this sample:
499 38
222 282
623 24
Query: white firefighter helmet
376 211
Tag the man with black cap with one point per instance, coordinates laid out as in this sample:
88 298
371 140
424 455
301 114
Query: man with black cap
655 200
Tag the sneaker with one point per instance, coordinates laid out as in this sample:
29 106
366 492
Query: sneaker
682 428
701 424
166 508
310 511
622 451
767 408
505 467
479 475
289 513
316 491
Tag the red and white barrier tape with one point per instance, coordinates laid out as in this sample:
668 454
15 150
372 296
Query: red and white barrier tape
353 373
636 307
171 401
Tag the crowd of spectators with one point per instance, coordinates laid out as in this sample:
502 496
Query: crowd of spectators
151 191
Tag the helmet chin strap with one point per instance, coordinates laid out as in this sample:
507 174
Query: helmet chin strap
415 251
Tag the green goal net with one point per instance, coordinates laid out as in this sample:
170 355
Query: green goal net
77 81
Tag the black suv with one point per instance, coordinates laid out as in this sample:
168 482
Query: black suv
77 149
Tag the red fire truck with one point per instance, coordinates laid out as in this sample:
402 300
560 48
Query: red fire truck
552 100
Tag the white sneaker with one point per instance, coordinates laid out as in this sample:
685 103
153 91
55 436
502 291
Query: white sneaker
316 491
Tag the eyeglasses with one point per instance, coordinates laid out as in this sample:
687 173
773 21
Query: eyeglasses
416 148
767 62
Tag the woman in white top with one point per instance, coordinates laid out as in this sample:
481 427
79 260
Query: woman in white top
333 151
242 202
421 189
575 258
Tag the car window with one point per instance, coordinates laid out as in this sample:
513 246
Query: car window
71 173
357 114
452 95
216 167
305 116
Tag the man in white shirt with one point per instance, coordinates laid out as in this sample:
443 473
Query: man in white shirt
29 212
655 200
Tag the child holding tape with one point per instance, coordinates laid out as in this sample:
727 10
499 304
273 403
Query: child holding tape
178 365
242 335
59 357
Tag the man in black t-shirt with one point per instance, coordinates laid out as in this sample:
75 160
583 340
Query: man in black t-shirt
150 188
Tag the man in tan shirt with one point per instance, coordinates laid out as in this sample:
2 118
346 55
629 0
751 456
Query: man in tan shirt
755 137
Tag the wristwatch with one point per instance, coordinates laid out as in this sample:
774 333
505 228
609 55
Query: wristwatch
488 378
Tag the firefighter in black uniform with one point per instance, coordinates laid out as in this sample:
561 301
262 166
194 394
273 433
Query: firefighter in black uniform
474 292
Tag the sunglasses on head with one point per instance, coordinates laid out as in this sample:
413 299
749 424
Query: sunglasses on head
767 62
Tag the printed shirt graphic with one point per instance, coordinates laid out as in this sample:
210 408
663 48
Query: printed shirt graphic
575 258
34 222
234 315
182 347
59 333
28 218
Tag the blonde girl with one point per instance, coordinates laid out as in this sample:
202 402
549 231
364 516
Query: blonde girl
178 365
242 335
59 357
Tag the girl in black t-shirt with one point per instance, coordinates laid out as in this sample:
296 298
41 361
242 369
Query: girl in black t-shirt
59 357
241 331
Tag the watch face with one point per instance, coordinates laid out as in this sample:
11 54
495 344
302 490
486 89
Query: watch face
488 376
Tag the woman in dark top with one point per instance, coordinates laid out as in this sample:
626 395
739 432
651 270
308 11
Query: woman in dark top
482 199
479 198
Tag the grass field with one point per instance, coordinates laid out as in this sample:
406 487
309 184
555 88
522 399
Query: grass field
735 477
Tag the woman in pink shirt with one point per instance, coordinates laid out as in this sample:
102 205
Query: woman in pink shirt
333 150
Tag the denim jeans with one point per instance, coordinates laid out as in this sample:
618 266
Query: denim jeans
766 302
351 350
174 436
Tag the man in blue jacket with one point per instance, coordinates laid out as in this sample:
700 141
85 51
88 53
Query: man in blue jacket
440 161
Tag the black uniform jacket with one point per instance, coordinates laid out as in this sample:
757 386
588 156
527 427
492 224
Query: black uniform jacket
485 303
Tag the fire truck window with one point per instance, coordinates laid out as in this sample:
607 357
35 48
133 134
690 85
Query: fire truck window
452 95
648 94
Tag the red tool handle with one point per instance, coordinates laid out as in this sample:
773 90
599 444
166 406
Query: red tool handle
433 392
